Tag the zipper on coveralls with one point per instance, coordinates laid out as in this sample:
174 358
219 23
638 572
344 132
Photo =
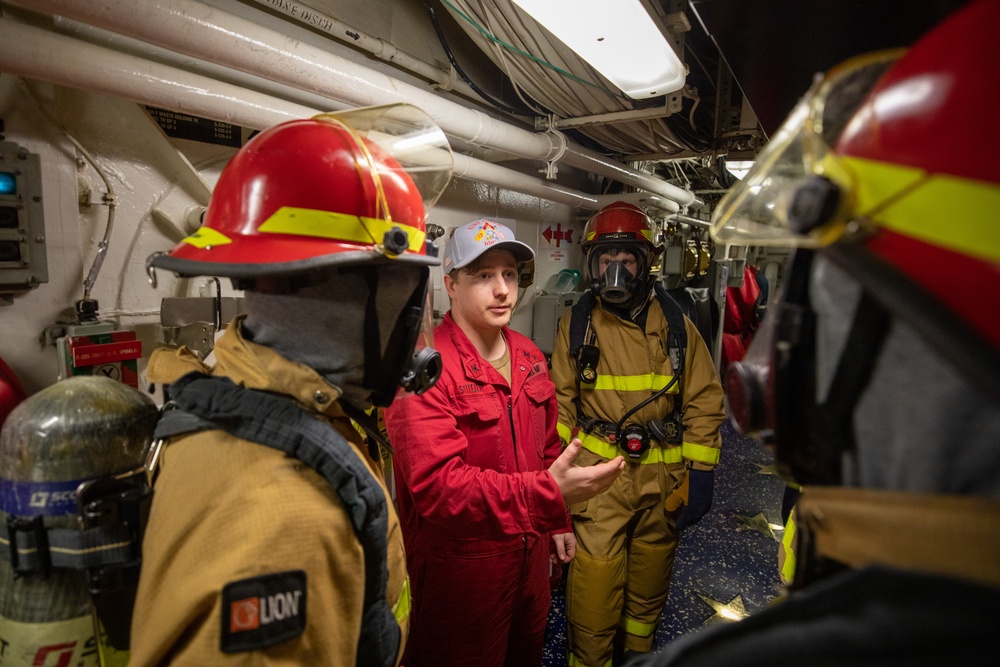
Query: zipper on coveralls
513 434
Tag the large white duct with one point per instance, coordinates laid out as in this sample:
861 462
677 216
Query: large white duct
65 61
204 32
381 49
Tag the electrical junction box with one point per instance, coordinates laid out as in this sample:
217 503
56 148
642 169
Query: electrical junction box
549 308
23 263
99 349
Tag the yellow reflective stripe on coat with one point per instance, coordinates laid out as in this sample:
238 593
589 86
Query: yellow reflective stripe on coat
401 610
645 382
336 226
701 453
565 432
786 555
574 661
652 455
634 627
912 202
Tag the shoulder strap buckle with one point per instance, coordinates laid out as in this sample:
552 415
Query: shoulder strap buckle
37 539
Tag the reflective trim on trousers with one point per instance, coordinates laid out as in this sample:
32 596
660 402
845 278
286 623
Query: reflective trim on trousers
634 627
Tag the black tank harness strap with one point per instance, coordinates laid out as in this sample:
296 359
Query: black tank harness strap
112 510
203 402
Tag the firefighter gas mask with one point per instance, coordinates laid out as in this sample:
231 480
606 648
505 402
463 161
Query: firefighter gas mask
408 362
365 328
856 378
618 273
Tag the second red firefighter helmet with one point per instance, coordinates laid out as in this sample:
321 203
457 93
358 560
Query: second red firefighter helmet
619 227
885 174
336 189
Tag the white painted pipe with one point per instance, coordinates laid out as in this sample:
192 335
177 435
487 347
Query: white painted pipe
195 29
480 170
381 49
65 61
39 54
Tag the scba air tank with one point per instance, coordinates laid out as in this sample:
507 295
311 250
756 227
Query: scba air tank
78 430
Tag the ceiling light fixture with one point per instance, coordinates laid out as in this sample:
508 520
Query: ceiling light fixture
618 39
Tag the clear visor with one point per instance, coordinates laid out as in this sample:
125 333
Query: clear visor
756 210
409 136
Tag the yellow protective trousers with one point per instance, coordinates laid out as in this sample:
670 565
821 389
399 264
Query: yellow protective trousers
626 538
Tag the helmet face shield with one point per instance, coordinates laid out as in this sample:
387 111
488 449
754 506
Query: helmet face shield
410 137
765 207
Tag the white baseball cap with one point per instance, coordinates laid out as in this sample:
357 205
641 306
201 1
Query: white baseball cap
472 239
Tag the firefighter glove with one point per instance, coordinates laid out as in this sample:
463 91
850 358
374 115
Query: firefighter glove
701 484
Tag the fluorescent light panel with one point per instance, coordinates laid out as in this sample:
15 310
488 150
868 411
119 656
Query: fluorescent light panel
618 38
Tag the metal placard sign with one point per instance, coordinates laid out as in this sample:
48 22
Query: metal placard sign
112 355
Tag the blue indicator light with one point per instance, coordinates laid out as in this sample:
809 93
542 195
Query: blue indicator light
8 184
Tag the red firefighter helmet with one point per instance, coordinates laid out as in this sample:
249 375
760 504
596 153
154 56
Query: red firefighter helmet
620 228
11 391
928 166
887 171
335 189
616 224
891 150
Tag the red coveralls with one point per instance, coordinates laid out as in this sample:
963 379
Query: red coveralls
477 504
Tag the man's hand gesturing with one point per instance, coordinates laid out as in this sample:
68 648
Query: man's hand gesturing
582 483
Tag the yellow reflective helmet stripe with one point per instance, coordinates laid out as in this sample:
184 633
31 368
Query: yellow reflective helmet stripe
206 237
644 382
401 610
912 202
336 226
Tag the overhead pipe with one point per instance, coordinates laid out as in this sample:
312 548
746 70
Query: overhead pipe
48 56
146 51
480 170
381 49
204 32
97 69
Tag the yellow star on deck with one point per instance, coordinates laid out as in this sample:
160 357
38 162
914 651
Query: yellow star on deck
767 469
758 523
725 612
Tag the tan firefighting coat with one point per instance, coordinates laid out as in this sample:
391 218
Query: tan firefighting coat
226 509
626 537
633 365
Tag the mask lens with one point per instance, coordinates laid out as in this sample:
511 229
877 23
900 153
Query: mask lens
615 283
